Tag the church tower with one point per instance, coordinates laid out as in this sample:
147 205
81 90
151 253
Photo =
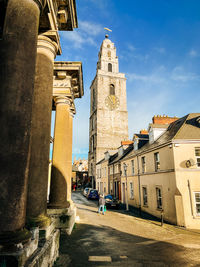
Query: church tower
108 109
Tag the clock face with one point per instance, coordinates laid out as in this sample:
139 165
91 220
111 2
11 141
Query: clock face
112 102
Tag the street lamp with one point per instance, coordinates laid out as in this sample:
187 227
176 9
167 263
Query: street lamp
125 171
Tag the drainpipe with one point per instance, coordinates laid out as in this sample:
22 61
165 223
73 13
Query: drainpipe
139 186
190 198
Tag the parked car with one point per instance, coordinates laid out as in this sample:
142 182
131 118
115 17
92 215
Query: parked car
93 194
112 202
85 191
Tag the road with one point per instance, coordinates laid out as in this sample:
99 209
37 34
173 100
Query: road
118 239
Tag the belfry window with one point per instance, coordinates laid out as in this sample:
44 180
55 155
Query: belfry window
109 67
109 54
112 89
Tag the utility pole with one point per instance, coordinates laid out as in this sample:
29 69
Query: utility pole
125 171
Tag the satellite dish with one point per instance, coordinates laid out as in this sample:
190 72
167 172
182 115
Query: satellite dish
189 163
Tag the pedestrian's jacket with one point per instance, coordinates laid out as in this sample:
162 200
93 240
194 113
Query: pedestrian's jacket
102 201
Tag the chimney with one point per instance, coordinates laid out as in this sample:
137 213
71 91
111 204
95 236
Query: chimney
126 143
163 119
144 131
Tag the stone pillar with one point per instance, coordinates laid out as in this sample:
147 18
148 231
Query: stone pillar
40 133
60 190
17 72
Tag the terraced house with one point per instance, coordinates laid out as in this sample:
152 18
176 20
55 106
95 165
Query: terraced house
163 174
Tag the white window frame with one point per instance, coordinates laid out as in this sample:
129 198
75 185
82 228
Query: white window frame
159 198
157 161
143 161
145 196
131 190
132 166
197 203
197 157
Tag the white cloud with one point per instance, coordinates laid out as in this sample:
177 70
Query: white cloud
193 53
160 50
85 35
131 47
179 74
90 28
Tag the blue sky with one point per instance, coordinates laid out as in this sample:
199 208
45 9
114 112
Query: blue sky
158 45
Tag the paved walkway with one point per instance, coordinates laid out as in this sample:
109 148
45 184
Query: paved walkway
117 239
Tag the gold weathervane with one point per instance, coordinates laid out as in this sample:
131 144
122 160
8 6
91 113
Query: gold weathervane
107 30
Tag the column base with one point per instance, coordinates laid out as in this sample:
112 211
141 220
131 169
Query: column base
64 217
33 255
17 254
64 205
40 221
12 239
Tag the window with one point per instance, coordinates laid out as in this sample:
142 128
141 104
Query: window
109 54
144 193
92 144
109 67
116 168
197 202
111 169
93 99
111 188
132 166
157 161
104 190
131 190
197 154
159 198
108 46
143 164
112 89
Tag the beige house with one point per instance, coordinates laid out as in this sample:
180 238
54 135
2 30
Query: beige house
164 174
102 175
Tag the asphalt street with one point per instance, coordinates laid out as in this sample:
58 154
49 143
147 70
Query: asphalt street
119 239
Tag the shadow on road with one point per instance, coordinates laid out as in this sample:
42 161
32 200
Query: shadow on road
88 240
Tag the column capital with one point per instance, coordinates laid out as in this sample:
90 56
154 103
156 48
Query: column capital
71 113
41 3
62 100
48 46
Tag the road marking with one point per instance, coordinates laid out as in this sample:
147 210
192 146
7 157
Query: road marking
123 257
100 258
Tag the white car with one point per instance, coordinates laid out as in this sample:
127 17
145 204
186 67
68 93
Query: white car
85 191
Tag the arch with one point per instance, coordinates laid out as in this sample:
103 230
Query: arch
112 89
109 67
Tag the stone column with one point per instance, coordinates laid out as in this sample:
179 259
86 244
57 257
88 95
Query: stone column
17 72
60 190
40 133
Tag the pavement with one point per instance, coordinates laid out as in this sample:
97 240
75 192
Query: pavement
120 239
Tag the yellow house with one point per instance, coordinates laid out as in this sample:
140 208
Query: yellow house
164 174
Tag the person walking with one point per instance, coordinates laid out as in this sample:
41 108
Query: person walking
102 203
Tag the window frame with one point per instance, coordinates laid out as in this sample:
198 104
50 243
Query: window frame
157 161
143 161
197 157
197 203
132 167
110 67
159 198
131 190
144 196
